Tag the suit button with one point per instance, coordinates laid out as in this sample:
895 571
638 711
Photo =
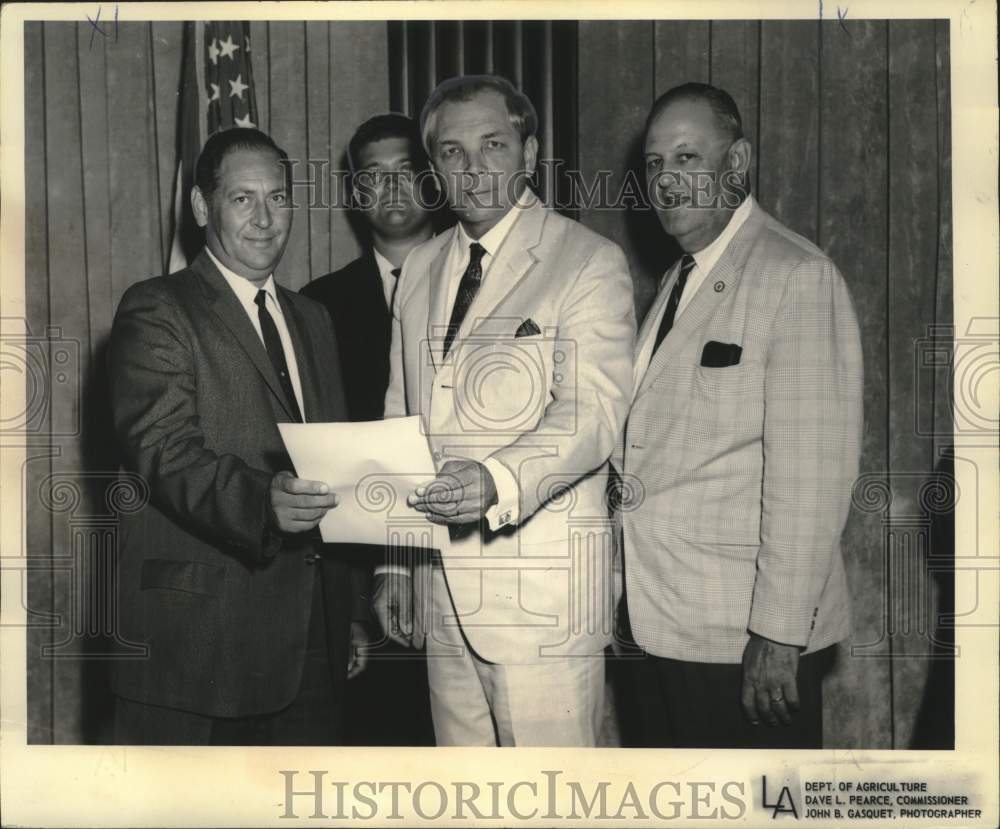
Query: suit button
312 558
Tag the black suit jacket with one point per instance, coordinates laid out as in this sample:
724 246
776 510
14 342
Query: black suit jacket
355 300
222 602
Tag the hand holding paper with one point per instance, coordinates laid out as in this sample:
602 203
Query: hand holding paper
461 493
371 468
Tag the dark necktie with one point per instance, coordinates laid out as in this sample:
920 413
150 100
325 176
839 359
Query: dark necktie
467 290
272 342
687 265
395 286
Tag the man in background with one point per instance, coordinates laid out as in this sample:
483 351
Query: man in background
221 575
388 165
744 438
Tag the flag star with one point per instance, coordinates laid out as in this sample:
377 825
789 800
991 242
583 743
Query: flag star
227 47
213 51
244 121
215 92
237 87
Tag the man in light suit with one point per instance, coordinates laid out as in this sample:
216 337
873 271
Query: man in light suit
741 449
512 340
221 574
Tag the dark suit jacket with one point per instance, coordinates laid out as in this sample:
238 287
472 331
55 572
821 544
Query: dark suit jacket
354 298
222 602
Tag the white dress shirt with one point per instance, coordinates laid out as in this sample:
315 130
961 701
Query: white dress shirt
385 269
704 261
246 293
507 509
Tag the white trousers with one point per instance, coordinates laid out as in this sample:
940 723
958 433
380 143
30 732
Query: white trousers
547 702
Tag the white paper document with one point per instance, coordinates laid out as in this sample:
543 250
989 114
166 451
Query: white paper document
372 467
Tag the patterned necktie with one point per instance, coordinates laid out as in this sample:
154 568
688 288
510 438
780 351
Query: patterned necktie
687 265
467 290
272 342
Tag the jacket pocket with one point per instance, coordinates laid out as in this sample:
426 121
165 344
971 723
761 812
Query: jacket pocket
185 576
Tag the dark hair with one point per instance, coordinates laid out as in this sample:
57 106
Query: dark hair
387 125
523 117
221 144
727 114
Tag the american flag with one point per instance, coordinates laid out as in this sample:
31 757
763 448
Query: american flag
217 92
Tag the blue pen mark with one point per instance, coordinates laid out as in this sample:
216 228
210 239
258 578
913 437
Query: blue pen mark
97 28
842 16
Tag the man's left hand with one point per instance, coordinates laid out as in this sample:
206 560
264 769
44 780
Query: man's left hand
361 640
461 493
770 692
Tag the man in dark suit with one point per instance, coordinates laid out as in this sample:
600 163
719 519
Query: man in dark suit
248 627
387 164
386 160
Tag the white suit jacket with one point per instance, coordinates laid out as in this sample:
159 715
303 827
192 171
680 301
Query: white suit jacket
548 405
743 472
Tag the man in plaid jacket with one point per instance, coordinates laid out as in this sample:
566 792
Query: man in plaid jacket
740 451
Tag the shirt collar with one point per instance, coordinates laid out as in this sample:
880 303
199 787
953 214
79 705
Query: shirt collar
493 238
709 255
385 267
243 287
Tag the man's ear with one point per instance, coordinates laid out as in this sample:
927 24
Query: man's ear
739 155
530 154
199 206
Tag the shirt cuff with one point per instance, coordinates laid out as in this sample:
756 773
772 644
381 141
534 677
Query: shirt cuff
392 569
507 508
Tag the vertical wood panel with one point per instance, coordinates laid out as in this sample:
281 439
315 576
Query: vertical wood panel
682 52
318 96
259 60
789 123
359 85
735 68
94 147
507 50
420 44
36 278
943 312
135 218
287 41
478 47
166 38
913 243
610 128
450 48
68 315
852 230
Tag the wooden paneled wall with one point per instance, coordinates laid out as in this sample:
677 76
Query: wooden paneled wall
851 134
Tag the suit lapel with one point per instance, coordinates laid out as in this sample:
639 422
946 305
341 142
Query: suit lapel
439 312
727 273
309 376
227 307
508 267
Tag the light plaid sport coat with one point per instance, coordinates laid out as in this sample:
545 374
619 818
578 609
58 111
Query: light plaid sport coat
744 472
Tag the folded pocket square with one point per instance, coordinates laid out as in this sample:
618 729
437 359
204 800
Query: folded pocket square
720 355
527 328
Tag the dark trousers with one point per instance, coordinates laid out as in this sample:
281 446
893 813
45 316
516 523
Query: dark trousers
697 705
314 717
671 703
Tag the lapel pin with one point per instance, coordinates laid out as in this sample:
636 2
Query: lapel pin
719 286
